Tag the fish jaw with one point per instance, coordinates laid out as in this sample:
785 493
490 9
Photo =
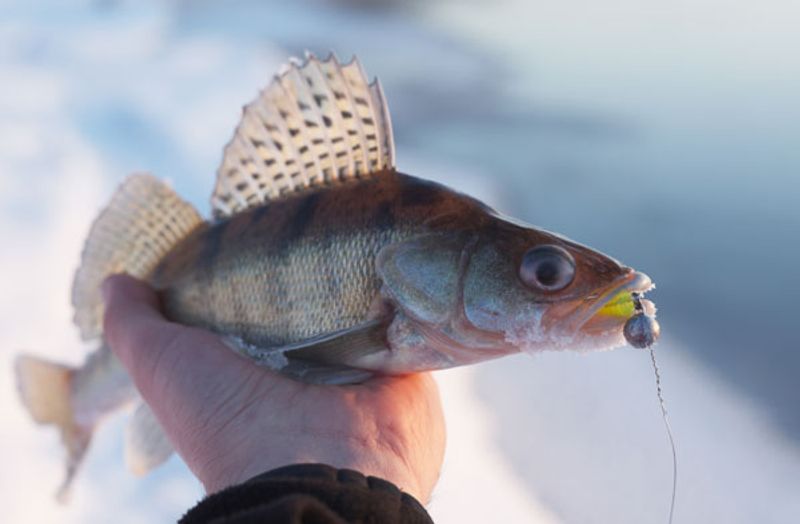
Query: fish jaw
416 345
593 323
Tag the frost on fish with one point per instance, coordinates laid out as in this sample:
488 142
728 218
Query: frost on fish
529 335
532 339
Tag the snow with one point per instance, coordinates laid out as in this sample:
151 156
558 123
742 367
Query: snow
90 91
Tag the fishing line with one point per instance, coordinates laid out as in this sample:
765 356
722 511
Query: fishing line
642 331
669 432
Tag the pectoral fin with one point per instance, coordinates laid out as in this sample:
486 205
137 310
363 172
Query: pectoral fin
329 375
344 347
328 359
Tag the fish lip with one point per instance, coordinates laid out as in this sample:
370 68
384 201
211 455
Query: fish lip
633 281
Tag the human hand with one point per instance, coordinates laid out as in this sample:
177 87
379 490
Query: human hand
231 420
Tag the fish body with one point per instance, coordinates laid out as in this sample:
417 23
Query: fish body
301 267
310 265
325 263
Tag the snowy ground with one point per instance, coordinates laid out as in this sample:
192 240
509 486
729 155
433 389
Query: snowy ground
93 91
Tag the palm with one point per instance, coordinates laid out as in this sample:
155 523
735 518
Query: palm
231 420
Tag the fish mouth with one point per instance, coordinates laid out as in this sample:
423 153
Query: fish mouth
609 308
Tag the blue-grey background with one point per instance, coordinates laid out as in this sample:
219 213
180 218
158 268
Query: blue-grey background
664 134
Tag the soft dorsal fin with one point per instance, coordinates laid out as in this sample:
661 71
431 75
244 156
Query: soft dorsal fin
316 123
143 222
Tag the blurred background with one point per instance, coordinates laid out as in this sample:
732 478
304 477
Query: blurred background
666 134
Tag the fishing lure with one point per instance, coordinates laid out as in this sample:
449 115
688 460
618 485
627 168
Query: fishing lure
641 330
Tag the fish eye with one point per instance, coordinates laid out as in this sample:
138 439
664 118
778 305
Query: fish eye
547 268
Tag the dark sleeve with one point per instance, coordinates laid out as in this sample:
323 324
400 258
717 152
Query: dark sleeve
309 493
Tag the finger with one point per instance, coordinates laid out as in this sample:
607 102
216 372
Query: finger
167 361
134 327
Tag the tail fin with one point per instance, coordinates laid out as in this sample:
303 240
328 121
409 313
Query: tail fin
143 221
45 388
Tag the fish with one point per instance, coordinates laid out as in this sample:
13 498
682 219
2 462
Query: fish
322 261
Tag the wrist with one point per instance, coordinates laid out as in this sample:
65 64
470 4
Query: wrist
384 465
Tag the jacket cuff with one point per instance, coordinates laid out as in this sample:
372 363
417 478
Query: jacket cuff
309 493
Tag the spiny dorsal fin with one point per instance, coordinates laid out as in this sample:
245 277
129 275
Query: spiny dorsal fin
143 221
317 122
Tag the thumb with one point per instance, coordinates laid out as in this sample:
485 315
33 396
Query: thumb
180 371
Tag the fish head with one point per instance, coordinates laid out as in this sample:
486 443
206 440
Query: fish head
538 290
505 288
